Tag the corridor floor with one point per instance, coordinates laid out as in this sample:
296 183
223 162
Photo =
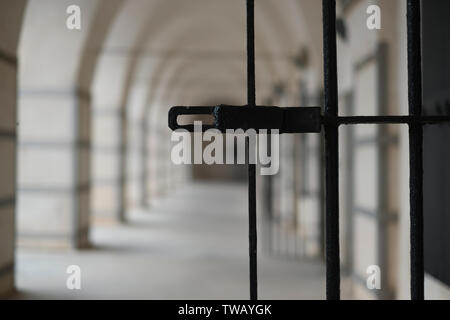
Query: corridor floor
191 245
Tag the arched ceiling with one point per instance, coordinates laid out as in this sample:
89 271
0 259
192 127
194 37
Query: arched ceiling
52 57
175 50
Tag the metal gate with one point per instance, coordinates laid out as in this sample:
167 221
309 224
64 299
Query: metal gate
311 120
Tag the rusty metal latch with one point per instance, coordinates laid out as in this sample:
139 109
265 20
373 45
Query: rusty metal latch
286 120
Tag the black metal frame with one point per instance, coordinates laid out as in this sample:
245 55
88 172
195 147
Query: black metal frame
310 120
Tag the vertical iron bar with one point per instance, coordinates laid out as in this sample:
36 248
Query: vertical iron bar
251 97
331 151
415 149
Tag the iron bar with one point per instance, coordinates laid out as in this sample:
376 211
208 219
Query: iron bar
411 120
251 97
331 151
285 119
415 149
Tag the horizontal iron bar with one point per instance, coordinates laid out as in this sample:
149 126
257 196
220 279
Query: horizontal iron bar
385 120
286 120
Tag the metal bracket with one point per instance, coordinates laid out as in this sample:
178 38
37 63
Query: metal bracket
286 120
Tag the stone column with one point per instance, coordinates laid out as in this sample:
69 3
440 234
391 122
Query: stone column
107 174
8 70
53 179
11 14
134 163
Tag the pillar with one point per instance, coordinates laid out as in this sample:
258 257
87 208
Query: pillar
8 70
53 180
11 13
108 148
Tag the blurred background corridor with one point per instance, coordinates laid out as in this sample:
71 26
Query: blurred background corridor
191 246
87 176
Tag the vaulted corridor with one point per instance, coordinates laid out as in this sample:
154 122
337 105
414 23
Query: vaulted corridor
191 245
94 176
